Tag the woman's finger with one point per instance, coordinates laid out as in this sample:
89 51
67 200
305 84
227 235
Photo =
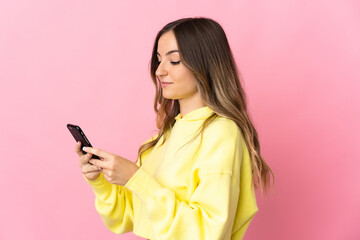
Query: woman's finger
98 152
99 163
90 169
78 149
84 159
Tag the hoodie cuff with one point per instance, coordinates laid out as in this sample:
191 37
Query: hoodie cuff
99 184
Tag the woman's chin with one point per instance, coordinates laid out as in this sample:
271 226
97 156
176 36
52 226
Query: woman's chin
169 96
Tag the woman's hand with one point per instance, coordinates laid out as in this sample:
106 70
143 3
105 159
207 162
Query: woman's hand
117 170
91 172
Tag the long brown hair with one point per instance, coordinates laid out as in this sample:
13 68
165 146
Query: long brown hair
204 49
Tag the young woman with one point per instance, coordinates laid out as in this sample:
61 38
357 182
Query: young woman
195 179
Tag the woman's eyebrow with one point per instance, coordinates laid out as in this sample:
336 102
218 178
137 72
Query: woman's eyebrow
169 52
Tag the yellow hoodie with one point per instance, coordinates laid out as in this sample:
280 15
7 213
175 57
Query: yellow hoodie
185 190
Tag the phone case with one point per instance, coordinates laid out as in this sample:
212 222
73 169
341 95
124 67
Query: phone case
79 135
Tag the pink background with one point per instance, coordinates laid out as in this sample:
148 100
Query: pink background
86 63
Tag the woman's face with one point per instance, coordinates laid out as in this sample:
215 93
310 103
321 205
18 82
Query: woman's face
176 80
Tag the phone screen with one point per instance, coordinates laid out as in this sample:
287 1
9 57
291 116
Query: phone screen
79 135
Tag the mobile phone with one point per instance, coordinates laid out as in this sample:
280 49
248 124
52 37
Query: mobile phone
79 135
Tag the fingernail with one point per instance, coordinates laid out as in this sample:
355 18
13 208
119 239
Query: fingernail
78 143
84 148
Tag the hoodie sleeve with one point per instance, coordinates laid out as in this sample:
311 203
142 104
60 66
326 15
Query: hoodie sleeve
114 202
114 205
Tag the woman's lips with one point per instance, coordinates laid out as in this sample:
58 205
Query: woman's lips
164 84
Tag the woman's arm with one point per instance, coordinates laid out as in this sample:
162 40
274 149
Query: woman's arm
114 203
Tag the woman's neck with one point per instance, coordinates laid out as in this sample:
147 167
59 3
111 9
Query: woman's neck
189 104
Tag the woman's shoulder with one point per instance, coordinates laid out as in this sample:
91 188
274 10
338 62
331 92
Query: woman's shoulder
223 127
221 147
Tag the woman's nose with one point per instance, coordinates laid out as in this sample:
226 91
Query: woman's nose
160 71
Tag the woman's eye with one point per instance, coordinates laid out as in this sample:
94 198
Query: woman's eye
173 63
